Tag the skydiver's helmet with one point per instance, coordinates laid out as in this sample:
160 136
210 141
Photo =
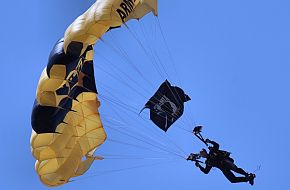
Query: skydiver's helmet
203 153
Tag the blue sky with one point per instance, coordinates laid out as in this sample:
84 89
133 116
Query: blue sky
231 57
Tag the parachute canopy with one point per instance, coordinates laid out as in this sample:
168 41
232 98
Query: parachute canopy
65 119
66 125
166 105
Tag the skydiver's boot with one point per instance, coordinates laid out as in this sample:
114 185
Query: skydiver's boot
251 178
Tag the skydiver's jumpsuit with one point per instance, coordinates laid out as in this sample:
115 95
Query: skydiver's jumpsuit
221 160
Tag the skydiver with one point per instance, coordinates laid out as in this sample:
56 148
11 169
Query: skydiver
221 160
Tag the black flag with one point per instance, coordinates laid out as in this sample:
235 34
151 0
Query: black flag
166 105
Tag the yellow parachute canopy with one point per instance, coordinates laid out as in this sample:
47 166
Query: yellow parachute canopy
66 124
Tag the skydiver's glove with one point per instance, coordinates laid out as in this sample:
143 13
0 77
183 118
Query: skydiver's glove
207 141
189 158
197 129
197 164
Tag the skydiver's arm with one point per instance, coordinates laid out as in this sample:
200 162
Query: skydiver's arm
206 169
215 144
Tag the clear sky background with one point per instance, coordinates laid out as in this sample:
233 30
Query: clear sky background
231 56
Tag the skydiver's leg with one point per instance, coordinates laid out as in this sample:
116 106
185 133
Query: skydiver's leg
230 165
240 171
232 178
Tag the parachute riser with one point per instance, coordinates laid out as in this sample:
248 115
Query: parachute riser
199 136
197 132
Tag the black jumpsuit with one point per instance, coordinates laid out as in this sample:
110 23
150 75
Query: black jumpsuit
217 158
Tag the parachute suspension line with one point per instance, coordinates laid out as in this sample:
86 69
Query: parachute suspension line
168 49
115 102
153 52
120 47
136 145
129 86
141 140
141 117
139 93
138 133
186 130
126 59
146 52
132 109
126 143
172 61
118 101
133 90
119 70
175 144
122 169
142 46
149 128
126 83
115 73
114 121
132 158
177 99
122 122
115 129
159 61
122 143
123 105
160 148
167 138
152 60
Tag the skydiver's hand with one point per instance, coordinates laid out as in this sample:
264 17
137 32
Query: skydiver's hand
197 164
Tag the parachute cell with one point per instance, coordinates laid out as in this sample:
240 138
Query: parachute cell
166 105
